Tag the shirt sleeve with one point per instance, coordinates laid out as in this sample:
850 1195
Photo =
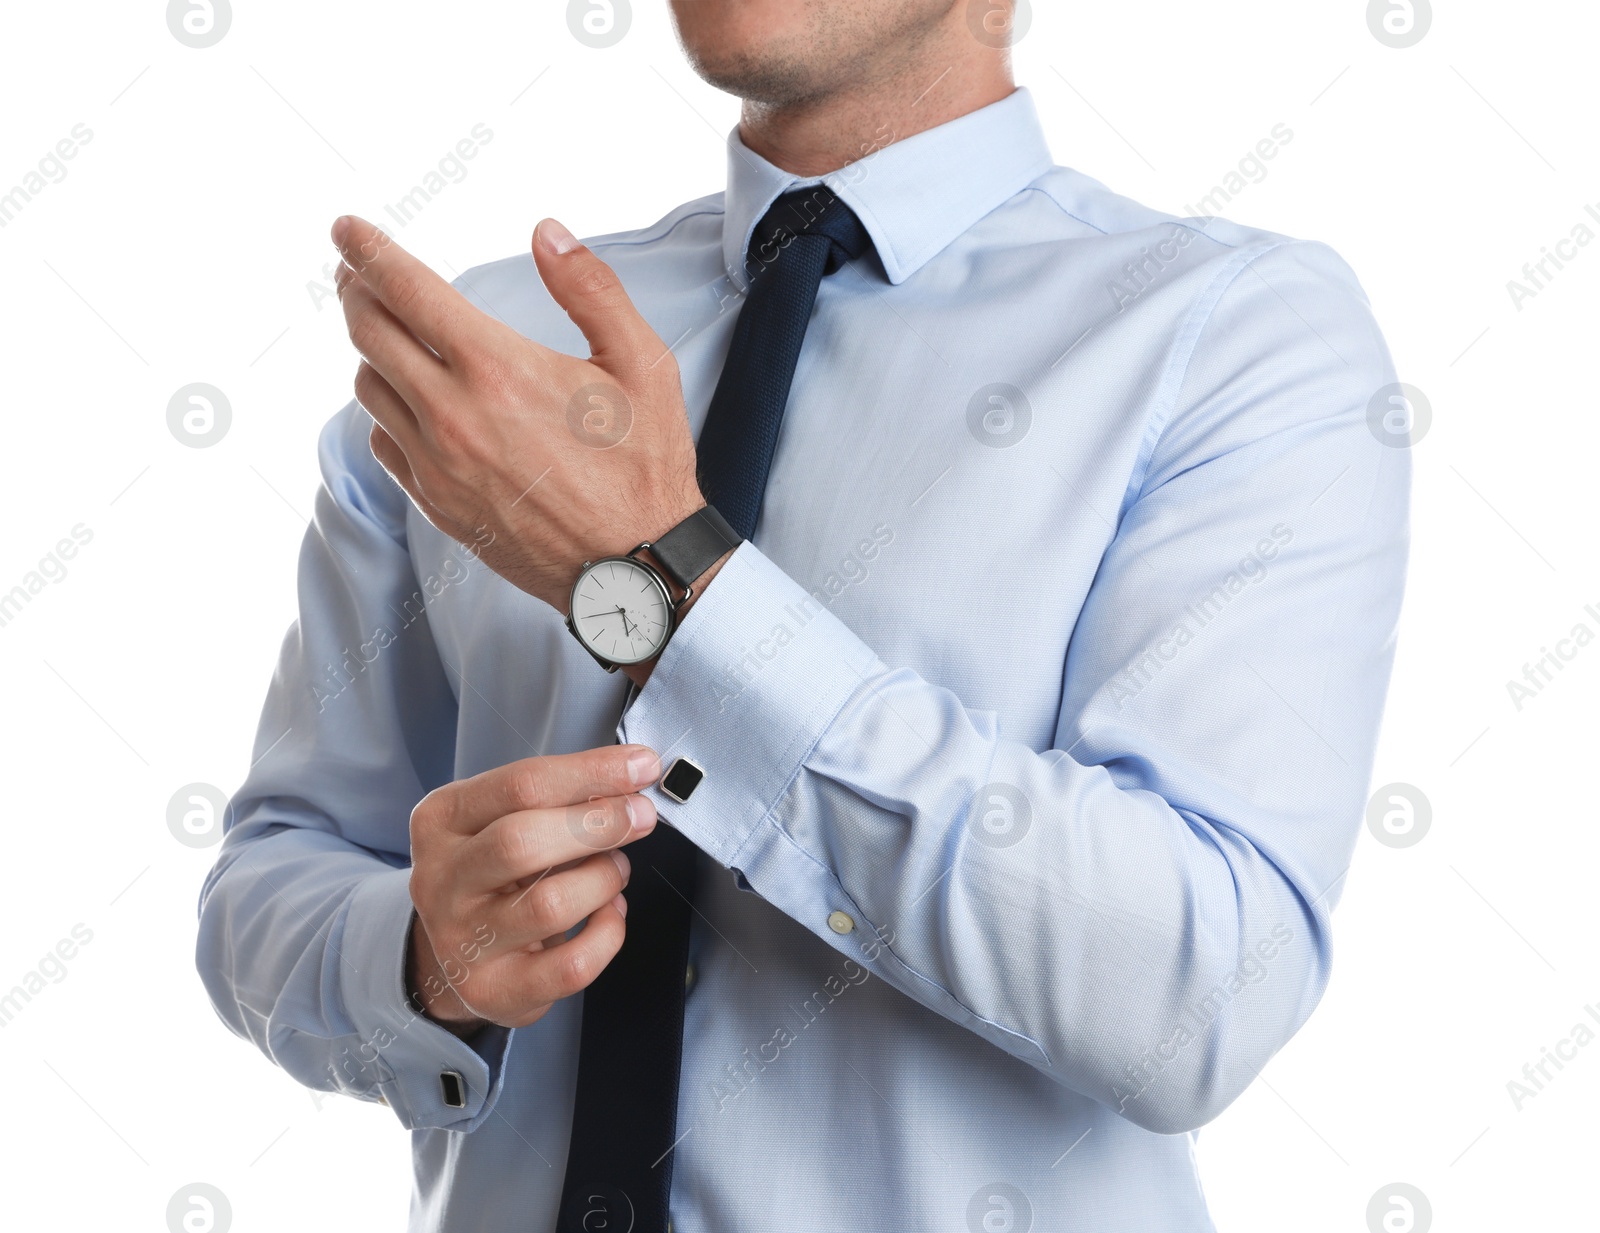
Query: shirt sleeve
305 918
1140 911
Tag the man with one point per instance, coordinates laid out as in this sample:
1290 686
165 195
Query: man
1002 577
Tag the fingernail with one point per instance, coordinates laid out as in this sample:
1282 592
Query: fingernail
342 276
341 227
624 866
643 767
621 905
556 238
641 813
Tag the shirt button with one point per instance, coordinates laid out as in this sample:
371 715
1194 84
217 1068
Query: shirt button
688 977
840 922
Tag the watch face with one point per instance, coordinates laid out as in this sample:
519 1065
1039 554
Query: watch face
621 611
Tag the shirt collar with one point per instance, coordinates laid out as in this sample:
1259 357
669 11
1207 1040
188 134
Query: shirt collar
913 196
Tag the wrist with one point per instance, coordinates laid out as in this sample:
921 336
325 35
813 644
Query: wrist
429 991
624 609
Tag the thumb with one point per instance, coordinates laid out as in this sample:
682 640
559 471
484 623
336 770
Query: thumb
592 295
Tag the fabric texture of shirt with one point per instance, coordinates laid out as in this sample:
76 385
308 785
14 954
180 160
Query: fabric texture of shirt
1036 718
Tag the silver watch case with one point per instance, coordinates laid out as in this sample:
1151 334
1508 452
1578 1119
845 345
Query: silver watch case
660 582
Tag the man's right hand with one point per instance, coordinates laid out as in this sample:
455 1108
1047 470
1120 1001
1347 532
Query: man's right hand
504 864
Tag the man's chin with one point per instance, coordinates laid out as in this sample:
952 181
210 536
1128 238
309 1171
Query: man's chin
770 81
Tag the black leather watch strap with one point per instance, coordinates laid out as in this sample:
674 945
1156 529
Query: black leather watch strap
694 546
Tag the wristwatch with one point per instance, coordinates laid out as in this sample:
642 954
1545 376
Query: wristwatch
622 609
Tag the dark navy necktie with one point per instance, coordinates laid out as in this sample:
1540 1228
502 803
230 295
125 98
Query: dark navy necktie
624 1122
807 234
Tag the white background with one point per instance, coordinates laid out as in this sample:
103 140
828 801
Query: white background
179 248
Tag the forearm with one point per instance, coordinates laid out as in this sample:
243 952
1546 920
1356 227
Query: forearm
1080 924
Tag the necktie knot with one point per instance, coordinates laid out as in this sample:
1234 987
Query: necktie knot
804 213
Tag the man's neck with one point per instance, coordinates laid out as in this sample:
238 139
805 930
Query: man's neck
822 135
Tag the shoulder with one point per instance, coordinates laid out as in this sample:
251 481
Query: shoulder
1220 245
1250 331
1204 278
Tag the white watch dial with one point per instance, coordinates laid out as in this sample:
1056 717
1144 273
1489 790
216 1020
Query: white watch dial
620 611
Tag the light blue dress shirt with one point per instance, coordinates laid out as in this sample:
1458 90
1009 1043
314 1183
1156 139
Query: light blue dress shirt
1036 720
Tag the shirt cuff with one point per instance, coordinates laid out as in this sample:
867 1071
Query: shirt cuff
745 689
396 1055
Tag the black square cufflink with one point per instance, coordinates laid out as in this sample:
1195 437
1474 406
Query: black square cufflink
681 779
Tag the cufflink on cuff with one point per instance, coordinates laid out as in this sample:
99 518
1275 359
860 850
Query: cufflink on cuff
681 779
453 1089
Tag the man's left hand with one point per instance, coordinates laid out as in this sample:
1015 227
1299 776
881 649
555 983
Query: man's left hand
539 460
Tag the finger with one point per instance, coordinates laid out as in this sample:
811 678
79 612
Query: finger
387 408
592 295
557 780
430 307
393 460
559 901
528 843
515 989
524 882
389 346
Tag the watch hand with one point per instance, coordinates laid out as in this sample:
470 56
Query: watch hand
627 628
